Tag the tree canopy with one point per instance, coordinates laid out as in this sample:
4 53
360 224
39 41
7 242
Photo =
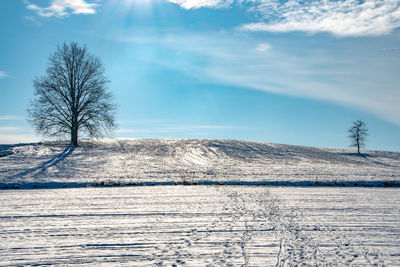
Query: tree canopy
72 97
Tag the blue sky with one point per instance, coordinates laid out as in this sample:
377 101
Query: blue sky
294 72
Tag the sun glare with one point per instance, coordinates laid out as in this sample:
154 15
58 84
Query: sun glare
137 3
142 7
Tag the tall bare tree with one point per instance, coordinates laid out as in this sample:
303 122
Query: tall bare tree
72 97
357 134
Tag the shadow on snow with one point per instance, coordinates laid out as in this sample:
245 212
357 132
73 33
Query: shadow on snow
47 164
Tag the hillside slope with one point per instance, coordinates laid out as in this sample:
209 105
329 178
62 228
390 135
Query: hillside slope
129 161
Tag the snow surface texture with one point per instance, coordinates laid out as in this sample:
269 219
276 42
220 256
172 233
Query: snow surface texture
190 161
201 226
197 225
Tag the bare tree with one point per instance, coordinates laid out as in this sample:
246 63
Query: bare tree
72 96
357 134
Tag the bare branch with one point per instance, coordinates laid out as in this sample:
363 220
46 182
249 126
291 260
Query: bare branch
72 96
357 134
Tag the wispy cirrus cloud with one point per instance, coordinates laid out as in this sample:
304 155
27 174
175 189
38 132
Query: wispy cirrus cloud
263 47
63 8
167 128
9 117
338 17
18 138
10 129
3 74
16 134
355 78
189 4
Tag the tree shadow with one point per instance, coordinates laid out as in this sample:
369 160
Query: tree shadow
369 158
47 164
362 155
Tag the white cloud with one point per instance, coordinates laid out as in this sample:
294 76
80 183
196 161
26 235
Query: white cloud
18 138
63 8
192 4
354 78
263 47
341 18
15 134
3 74
10 129
9 117
338 17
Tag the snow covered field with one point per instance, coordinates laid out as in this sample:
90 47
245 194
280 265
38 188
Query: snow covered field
200 225
175 218
130 161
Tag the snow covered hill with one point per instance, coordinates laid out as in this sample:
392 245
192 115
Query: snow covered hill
197 225
190 161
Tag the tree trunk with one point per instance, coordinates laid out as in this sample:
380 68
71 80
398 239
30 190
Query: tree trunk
74 137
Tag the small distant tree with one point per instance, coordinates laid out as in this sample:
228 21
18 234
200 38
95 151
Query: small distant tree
357 134
72 96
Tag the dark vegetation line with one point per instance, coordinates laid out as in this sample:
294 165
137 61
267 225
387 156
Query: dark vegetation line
57 185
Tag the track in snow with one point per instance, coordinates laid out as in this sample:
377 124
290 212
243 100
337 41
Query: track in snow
200 225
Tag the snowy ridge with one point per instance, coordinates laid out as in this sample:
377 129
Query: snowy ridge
102 162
